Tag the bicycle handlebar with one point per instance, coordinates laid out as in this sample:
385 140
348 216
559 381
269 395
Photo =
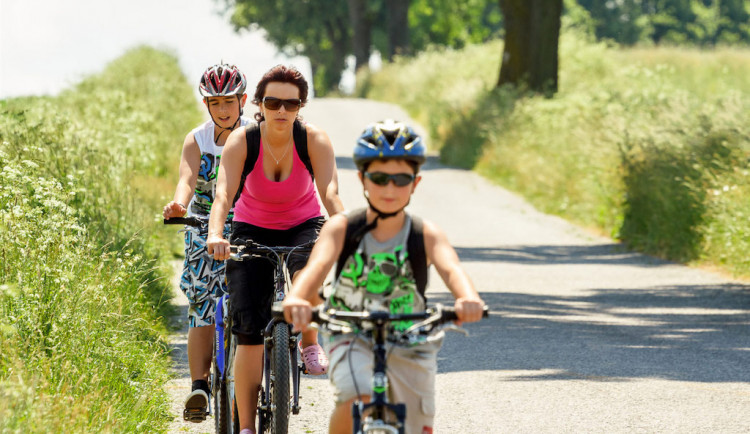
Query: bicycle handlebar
250 248
190 221
432 317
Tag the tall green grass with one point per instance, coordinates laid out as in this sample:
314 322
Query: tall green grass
650 146
83 276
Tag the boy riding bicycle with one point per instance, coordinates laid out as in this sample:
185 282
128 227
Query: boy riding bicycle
203 281
381 267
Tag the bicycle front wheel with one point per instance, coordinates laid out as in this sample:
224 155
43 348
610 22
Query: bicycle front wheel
280 373
225 405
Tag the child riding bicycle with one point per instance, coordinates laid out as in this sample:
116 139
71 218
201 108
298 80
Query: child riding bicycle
380 266
203 279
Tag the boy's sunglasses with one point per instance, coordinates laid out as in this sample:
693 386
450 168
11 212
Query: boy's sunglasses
273 103
400 179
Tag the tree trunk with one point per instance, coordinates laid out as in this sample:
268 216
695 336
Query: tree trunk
530 53
397 25
361 23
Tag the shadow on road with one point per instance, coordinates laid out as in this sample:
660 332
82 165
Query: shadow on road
689 333
559 254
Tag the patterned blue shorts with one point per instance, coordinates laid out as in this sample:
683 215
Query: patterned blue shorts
203 279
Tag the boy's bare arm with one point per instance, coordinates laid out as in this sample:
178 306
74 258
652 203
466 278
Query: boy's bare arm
189 166
441 254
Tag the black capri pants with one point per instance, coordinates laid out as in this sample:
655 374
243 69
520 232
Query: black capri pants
250 281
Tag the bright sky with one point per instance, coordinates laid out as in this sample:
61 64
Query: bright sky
48 45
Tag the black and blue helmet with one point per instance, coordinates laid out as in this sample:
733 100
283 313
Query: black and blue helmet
387 140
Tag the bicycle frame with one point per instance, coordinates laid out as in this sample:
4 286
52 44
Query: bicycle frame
377 420
274 394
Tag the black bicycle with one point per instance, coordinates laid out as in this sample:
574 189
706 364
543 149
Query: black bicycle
380 416
281 362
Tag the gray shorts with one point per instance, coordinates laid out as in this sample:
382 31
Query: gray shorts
411 375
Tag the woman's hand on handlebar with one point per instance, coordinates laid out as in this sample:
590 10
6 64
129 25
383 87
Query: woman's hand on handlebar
218 246
297 311
174 209
469 309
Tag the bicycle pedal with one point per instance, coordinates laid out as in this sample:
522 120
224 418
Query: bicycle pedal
195 415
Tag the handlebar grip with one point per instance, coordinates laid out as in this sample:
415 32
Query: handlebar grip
277 312
449 313
190 221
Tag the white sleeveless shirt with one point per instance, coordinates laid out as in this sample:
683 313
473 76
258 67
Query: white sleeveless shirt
205 186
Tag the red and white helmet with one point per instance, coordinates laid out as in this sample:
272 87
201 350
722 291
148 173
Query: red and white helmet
222 80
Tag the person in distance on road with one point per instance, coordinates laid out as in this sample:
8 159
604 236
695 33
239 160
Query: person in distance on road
278 205
203 280
381 266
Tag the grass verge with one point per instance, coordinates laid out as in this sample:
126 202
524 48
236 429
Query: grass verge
84 279
650 145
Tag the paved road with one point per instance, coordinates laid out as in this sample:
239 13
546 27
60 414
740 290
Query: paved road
585 336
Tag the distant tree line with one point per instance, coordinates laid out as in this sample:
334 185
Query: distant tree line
698 22
328 32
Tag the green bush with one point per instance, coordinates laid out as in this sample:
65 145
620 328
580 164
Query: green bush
648 145
83 275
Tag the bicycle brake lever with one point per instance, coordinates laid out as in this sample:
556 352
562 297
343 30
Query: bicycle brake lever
235 256
455 328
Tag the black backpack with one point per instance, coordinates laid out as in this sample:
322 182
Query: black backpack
357 219
252 136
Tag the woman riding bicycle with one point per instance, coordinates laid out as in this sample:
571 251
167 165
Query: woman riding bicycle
277 206
203 280
382 266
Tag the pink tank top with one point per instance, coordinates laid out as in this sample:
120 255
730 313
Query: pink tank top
278 205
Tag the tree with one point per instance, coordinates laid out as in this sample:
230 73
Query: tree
452 23
319 30
397 27
360 16
327 32
530 53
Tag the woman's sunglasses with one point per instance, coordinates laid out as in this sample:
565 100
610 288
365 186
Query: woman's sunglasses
273 103
400 179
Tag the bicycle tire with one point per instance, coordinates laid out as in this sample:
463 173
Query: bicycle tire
280 374
221 405
219 392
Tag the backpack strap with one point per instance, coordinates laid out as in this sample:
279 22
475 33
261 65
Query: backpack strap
300 143
252 137
417 253
357 219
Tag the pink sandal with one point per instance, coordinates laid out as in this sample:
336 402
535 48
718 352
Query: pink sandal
316 362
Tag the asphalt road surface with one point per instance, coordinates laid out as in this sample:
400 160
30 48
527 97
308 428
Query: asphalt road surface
584 336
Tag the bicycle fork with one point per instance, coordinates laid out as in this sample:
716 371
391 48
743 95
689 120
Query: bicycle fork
379 403
297 367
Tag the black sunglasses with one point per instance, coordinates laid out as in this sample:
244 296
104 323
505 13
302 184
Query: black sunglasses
400 179
273 103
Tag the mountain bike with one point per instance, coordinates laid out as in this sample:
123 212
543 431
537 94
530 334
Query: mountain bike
380 416
201 226
282 366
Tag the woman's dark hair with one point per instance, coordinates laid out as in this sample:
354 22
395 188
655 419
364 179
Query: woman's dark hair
280 74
